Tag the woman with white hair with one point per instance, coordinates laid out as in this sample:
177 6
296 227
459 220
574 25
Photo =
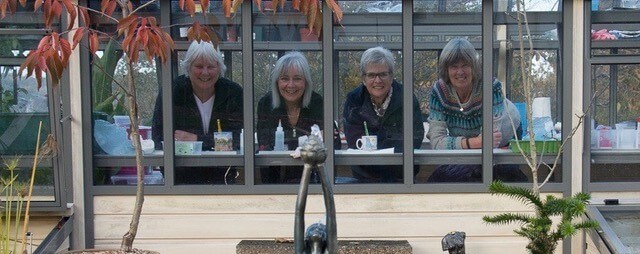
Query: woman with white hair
378 102
201 97
292 102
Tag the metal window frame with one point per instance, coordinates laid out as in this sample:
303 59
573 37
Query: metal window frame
599 156
329 49
57 102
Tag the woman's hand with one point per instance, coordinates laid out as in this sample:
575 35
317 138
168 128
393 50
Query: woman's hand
476 143
184 136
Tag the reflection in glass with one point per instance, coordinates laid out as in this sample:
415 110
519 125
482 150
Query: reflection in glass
529 5
447 6
22 107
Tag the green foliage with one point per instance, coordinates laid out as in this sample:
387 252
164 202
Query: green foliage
9 98
103 71
539 228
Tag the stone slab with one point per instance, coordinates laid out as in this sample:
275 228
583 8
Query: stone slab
344 247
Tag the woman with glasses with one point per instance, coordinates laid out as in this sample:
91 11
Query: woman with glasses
378 102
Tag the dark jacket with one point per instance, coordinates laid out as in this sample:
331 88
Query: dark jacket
388 128
268 121
227 106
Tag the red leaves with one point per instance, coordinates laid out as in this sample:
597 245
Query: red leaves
199 32
51 56
312 9
190 6
143 33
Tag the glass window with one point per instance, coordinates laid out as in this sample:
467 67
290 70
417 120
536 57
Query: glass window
288 90
22 107
226 30
449 111
208 117
615 112
613 32
368 93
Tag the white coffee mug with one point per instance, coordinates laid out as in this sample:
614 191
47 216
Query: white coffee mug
367 143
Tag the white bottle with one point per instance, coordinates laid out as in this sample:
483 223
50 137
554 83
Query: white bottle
279 144
241 141
638 132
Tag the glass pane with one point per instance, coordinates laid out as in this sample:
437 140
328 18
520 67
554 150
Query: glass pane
541 71
616 108
613 32
108 25
615 172
447 6
294 81
225 29
231 175
18 45
370 6
127 176
207 112
369 104
43 185
22 107
283 24
110 106
528 5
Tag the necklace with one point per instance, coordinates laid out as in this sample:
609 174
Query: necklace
460 103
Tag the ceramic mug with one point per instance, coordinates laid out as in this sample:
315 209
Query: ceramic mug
368 143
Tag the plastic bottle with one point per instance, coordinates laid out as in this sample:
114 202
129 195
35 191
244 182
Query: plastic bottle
241 141
279 144
638 132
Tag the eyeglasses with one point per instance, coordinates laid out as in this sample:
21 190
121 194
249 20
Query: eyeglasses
373 76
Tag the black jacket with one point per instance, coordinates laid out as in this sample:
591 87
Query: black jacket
268 121
388 128
227 106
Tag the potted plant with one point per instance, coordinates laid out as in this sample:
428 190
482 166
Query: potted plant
539 228
134 33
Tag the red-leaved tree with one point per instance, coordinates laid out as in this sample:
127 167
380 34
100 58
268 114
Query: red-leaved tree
134 33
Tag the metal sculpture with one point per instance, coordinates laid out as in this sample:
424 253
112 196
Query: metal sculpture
320 238
454 242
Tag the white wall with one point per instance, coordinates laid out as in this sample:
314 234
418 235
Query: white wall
215 224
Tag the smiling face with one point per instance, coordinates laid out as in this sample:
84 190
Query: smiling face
291 85
203 74
460 76
377 79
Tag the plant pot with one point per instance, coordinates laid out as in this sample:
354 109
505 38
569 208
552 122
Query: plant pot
546 147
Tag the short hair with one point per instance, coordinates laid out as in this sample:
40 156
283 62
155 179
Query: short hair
377 55
206 51
459 50
291 60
